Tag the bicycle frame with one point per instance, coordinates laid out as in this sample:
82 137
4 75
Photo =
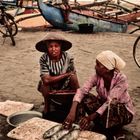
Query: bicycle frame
8 24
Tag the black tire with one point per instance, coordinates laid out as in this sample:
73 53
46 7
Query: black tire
9 30
11 35
11 23
136 51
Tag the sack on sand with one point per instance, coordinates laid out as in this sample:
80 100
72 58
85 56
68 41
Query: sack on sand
8 107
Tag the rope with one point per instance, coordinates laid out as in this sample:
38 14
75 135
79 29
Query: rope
108 111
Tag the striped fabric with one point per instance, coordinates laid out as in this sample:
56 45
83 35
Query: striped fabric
52 68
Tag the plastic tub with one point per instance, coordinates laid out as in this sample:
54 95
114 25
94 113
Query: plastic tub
86 28
22 116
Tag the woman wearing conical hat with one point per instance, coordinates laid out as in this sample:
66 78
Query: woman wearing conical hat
57 73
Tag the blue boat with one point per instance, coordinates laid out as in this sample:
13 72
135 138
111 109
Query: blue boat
54 16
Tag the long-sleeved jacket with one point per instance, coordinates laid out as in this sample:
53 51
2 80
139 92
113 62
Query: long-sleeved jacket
118 90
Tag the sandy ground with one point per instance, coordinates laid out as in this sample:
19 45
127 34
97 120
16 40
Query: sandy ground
19 68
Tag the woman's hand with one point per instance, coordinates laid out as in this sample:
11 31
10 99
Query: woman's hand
86 121
67 124
71 73
114 101
71 116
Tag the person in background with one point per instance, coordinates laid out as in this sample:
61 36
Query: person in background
58 74
112 108
66 11
64 8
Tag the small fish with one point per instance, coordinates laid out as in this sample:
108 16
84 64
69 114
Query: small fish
73 135
49 133
58 133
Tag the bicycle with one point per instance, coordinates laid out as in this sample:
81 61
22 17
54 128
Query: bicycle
8 26
136 51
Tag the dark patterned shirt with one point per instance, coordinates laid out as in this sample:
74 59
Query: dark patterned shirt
47 66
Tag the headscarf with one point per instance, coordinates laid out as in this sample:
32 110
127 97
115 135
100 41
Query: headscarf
111 60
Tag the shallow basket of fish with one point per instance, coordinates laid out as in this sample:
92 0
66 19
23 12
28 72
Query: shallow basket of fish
22 116
86 28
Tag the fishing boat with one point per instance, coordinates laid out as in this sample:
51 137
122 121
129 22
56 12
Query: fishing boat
54 16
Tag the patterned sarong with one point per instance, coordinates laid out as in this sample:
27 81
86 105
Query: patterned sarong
116 115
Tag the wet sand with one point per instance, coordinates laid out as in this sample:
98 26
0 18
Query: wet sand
19 68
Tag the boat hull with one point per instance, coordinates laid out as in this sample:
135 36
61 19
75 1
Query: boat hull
54 16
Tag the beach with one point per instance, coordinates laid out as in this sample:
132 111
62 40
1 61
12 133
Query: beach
19 68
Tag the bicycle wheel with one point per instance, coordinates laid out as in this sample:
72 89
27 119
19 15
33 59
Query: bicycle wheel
11 23
136 51
9 30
